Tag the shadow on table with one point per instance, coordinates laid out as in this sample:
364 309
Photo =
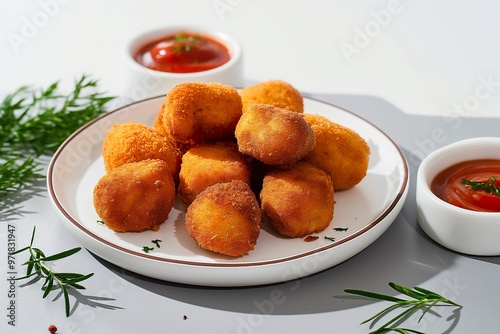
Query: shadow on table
403 254
12 205
417 136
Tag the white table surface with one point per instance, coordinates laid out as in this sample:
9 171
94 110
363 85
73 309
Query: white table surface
423 62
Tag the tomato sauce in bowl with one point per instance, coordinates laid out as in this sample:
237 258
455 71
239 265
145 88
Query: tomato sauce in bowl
463 216
472 185
183 52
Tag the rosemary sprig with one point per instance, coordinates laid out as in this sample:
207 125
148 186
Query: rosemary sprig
423 300
36 122
488 185
36 266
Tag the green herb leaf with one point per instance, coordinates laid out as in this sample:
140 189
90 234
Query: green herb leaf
66 300
373 295
488 185
147 249
156 242
48 286
19 250
79 278
407 291
62 255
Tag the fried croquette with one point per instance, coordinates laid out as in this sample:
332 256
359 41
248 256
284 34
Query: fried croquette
136 196
273 135
225 218
159 126
197 113
298 200
158 122
132 142
274 92
340 151
208 164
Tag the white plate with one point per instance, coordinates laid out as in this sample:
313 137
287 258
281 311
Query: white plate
367 210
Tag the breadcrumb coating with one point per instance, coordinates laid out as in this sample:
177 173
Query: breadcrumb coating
136 196
197 112
208 164
298 200
277 93
225 218
273 135
339 151
133 142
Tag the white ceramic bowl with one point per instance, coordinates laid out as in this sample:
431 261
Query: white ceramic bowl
461 230
140 82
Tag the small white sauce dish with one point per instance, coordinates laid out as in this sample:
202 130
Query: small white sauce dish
140 82
461 230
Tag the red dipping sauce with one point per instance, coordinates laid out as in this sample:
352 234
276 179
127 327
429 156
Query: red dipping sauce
183 52
481 174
